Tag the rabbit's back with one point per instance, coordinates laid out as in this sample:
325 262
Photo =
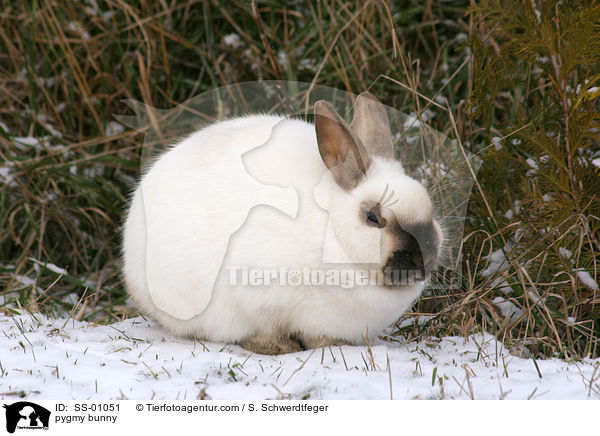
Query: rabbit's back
186 207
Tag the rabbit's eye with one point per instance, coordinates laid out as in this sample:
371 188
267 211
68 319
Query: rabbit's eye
374 217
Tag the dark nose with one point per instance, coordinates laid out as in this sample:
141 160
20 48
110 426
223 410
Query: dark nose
421 255
418 253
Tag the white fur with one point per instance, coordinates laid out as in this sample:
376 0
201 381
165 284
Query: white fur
172 188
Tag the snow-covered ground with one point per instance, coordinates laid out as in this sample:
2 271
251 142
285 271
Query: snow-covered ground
43 358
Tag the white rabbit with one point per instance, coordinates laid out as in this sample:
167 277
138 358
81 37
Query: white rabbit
349 190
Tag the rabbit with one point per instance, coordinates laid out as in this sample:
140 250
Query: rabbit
172 208
350 192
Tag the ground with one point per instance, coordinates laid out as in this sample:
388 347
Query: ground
57 359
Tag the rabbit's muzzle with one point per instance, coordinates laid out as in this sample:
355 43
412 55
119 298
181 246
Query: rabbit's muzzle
416 254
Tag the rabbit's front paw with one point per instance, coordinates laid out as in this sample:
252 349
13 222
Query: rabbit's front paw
322 341
270 344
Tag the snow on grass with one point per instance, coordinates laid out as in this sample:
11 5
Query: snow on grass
77 28
233 40
532 163
25 142
113 128
587 280
65 359
508 309
497 142
54 268
6 176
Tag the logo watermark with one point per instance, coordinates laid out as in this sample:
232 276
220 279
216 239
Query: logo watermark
26 415
345 278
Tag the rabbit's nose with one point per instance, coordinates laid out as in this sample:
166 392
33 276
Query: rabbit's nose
423 243
409 260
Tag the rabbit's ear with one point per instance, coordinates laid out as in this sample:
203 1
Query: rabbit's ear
372 126
341 150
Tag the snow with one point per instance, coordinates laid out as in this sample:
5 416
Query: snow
233 40
308 64
587 280
25 281
532 163
66 359
6 176
496 141
582 274
412 120
76 27
508 309
22 142
55 269
497 261
516 207
596 162
113 128
538 14
52 130
441 99
282 58
565 252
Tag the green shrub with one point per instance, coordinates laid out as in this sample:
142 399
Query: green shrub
536 73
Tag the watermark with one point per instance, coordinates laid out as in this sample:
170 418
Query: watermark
345 278
25 415
302 180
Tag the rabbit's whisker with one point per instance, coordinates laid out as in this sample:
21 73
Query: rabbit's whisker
384 192
391 204
389 197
